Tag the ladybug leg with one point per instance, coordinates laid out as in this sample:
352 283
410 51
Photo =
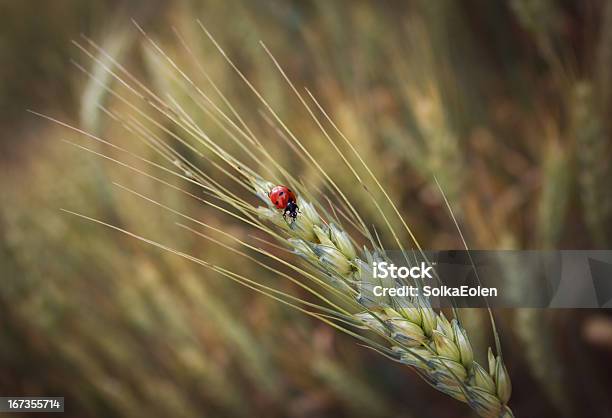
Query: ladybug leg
286 213
294 216
290 215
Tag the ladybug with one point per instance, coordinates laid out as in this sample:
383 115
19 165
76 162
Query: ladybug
284 199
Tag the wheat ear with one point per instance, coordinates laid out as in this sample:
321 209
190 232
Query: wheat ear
420 337
412 332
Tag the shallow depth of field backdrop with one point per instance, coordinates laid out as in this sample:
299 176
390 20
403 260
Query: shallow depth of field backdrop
507 103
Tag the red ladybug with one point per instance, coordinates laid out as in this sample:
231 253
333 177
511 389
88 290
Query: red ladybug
284 199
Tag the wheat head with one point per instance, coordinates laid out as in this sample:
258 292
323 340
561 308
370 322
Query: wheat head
337 271
418 336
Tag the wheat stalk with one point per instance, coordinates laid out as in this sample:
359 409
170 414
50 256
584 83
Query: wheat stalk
336 272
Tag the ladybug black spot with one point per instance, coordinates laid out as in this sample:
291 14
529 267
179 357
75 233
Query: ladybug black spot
281 193
276 202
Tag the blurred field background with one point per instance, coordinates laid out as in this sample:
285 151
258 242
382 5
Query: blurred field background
507 103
